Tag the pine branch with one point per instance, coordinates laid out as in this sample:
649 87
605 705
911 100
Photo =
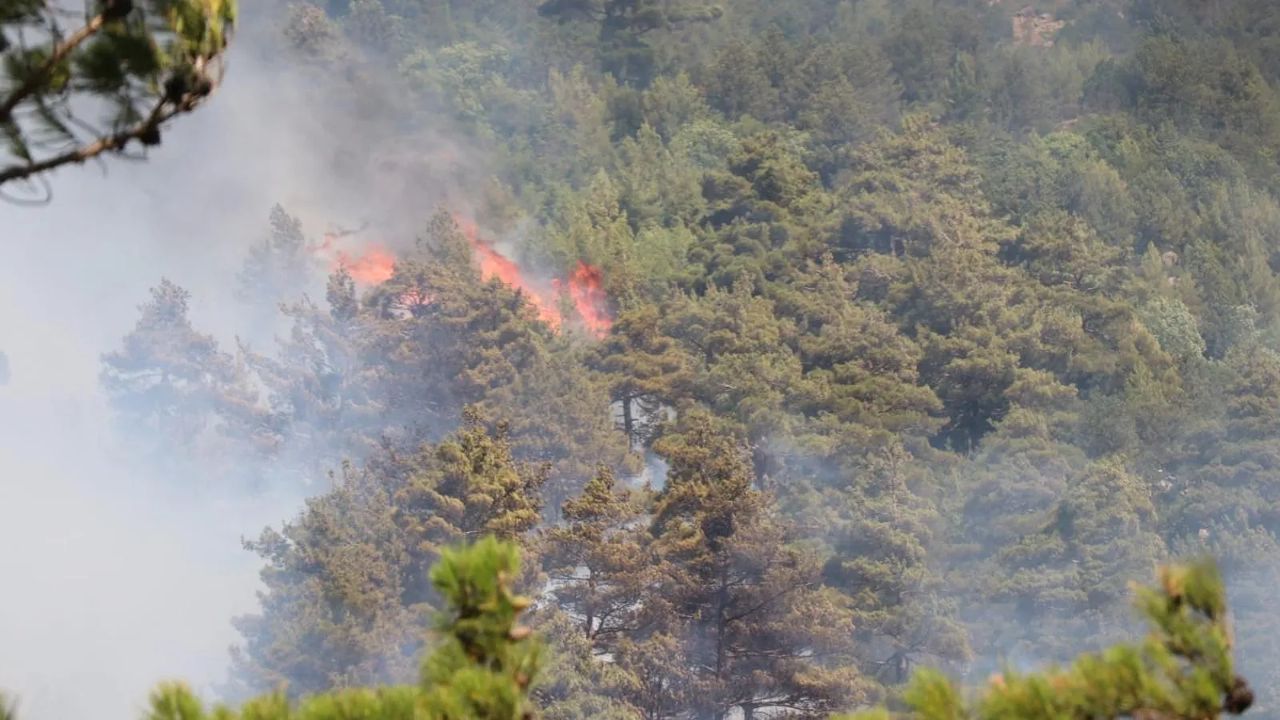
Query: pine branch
146 131
60 53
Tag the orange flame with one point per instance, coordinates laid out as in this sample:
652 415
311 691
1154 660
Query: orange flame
585 287
371 266
494 265
375 264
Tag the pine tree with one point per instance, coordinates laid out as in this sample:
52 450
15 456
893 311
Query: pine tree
600 563
645 369
1069 577
347 599
317 382
623 25
561 418
487 662
468 486
335 611
913 191
576 682
1231 488
759 632
879 526
278 268
173 383
743 368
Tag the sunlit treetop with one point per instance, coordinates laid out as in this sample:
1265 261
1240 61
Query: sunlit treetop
80 82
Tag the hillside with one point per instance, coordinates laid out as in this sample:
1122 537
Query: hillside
799 343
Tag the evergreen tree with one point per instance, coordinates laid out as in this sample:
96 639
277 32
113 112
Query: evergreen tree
173 383
468 486
600 565
646 370
1068 578
576 682
758 630
346 599
623 25
879 529
336 610
278 268
317 382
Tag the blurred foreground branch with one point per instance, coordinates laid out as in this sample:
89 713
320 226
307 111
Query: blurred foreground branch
136 66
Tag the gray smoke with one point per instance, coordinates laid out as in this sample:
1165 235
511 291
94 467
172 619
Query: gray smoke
115 576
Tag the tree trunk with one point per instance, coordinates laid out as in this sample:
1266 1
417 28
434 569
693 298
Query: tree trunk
589 621
629 421
722 599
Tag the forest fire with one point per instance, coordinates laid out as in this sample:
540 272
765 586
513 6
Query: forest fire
585 287
495 265
371 266
375 264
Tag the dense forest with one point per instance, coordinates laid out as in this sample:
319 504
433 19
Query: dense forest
799 345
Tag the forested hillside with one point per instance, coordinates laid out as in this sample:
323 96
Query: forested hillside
799 344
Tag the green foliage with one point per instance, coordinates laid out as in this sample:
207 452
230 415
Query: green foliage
275 269
753 626
487 661
347 598
175 386
481 668
1184 669
622 25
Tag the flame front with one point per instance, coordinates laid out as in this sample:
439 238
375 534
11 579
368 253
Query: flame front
375 264
372 265
495 265
586 288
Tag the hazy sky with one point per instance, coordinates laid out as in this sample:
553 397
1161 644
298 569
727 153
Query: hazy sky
112 579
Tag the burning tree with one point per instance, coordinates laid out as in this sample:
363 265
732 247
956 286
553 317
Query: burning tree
142 63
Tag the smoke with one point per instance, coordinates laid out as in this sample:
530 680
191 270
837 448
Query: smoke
114 575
